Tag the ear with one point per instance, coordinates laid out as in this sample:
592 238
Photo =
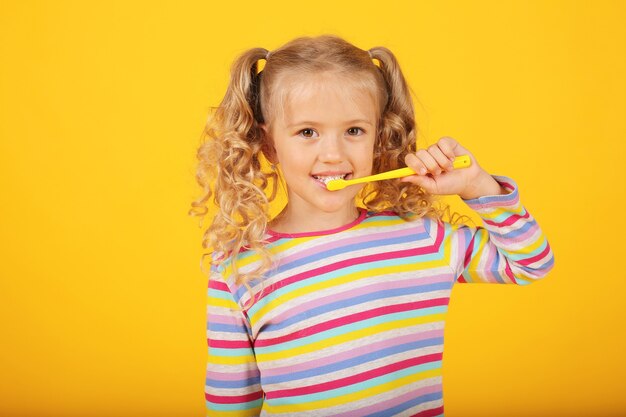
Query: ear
268 145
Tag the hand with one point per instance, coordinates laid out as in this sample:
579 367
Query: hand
436 175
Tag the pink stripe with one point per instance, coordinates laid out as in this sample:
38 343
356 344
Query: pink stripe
222 319
495 204
218 285
389 404
338 357
228 344
369 289
508 221
468 252
233 399
232 376
433 412
492 252
509 272
351 241
506 185
546 251
362 215
353 261
352 318
354 379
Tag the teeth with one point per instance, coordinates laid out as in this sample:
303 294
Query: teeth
327 179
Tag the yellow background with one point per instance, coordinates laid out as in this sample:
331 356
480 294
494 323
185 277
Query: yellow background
101 109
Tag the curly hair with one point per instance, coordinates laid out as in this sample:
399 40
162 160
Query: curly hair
232 159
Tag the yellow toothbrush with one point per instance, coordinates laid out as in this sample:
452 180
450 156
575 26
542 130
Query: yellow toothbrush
462 161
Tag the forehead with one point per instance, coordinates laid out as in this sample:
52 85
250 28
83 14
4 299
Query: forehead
327 97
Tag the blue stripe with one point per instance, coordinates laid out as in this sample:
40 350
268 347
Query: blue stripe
230 352
348 248
337 305
535 252
226 328
353 247
549 263
338 392
348 328
412 261
408 404
502 198
223 295
234 407
353 362
243 383
511 234
512 256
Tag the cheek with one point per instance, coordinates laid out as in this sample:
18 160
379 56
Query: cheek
284 153
289 155
366 155
293 161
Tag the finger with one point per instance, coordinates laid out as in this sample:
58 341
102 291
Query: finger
429 161
413 162
444 162
447 146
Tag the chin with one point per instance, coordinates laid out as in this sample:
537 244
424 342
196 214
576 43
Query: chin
334 206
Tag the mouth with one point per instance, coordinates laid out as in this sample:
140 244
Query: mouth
325 179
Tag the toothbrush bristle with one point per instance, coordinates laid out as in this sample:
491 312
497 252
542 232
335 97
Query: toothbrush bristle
334 185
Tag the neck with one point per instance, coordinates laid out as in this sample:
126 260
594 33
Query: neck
288 221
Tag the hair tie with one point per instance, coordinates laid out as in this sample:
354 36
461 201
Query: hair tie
267 55
370 53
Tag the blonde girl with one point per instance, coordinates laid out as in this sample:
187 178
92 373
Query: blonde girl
336 306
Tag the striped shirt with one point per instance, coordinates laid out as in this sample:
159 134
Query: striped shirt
350 321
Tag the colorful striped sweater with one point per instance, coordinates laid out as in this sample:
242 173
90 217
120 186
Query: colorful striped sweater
351 320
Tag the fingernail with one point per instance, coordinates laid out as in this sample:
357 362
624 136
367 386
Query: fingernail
422 171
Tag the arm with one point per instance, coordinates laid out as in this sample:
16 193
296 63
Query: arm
232 386
509 249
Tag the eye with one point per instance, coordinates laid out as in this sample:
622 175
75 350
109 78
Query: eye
354 130
307 133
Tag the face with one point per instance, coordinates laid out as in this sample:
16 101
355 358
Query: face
328 131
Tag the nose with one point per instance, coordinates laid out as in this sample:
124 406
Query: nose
332 149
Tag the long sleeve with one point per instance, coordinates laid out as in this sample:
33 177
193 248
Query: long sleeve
509 249
232 386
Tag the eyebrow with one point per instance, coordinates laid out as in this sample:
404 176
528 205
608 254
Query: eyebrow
308 122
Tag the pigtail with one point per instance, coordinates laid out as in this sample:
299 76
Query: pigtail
231 168
396 138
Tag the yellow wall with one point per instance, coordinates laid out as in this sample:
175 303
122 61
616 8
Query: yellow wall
101 110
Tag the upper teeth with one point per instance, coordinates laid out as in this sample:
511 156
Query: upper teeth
327 179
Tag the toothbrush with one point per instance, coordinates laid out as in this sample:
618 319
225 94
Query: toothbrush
462 161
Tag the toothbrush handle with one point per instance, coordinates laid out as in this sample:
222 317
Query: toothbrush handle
459 162
396 173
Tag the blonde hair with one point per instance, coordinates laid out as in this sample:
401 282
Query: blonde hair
230 162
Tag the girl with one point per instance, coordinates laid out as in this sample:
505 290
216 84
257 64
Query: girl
337 305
